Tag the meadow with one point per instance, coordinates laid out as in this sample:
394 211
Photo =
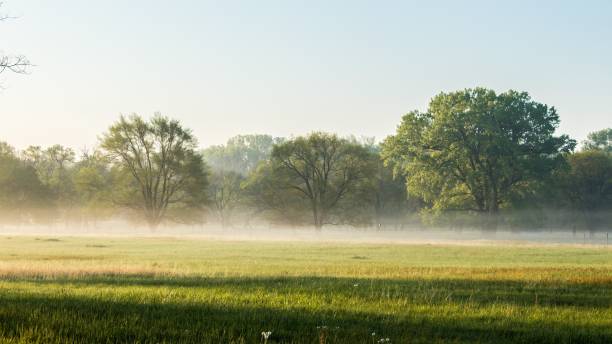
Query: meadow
171 290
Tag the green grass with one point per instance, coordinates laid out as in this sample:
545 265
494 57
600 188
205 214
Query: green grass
136 290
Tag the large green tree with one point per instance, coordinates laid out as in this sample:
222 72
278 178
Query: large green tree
474 149
160 157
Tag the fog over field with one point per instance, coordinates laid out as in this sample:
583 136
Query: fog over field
340 234
300 172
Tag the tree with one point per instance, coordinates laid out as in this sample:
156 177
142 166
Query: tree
13 63
265 195
588 181
321 169
390 199
93 184
225 193
21 192
599 140
231 164
474 148
159 155
53 167
584 188
241 154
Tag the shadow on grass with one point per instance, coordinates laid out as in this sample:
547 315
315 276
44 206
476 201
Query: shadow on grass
37 318
430 291
83 320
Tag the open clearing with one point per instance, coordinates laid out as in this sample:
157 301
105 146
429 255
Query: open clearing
152 290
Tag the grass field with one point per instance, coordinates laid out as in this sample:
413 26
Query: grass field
156 290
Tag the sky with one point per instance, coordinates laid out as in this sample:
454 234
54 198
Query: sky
291 67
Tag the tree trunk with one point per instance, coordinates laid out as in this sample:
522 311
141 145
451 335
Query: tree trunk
153 224
153 219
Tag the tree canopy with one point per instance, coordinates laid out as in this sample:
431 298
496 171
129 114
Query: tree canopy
472 149
587 182
599 140
241 154
160 156
473 152
21 192
323 170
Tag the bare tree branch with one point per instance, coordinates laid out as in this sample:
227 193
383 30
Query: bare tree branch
15 63
5 16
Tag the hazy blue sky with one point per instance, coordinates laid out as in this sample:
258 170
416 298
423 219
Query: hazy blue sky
290 67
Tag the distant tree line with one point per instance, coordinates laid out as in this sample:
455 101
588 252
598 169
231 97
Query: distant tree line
474 158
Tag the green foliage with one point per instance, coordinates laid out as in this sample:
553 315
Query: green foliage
94 185
599 140
390 200
475 158
225 194
160 156
323 170
231 164
241 154
21 192
266 196
589 180
475 149
53 167
91 178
